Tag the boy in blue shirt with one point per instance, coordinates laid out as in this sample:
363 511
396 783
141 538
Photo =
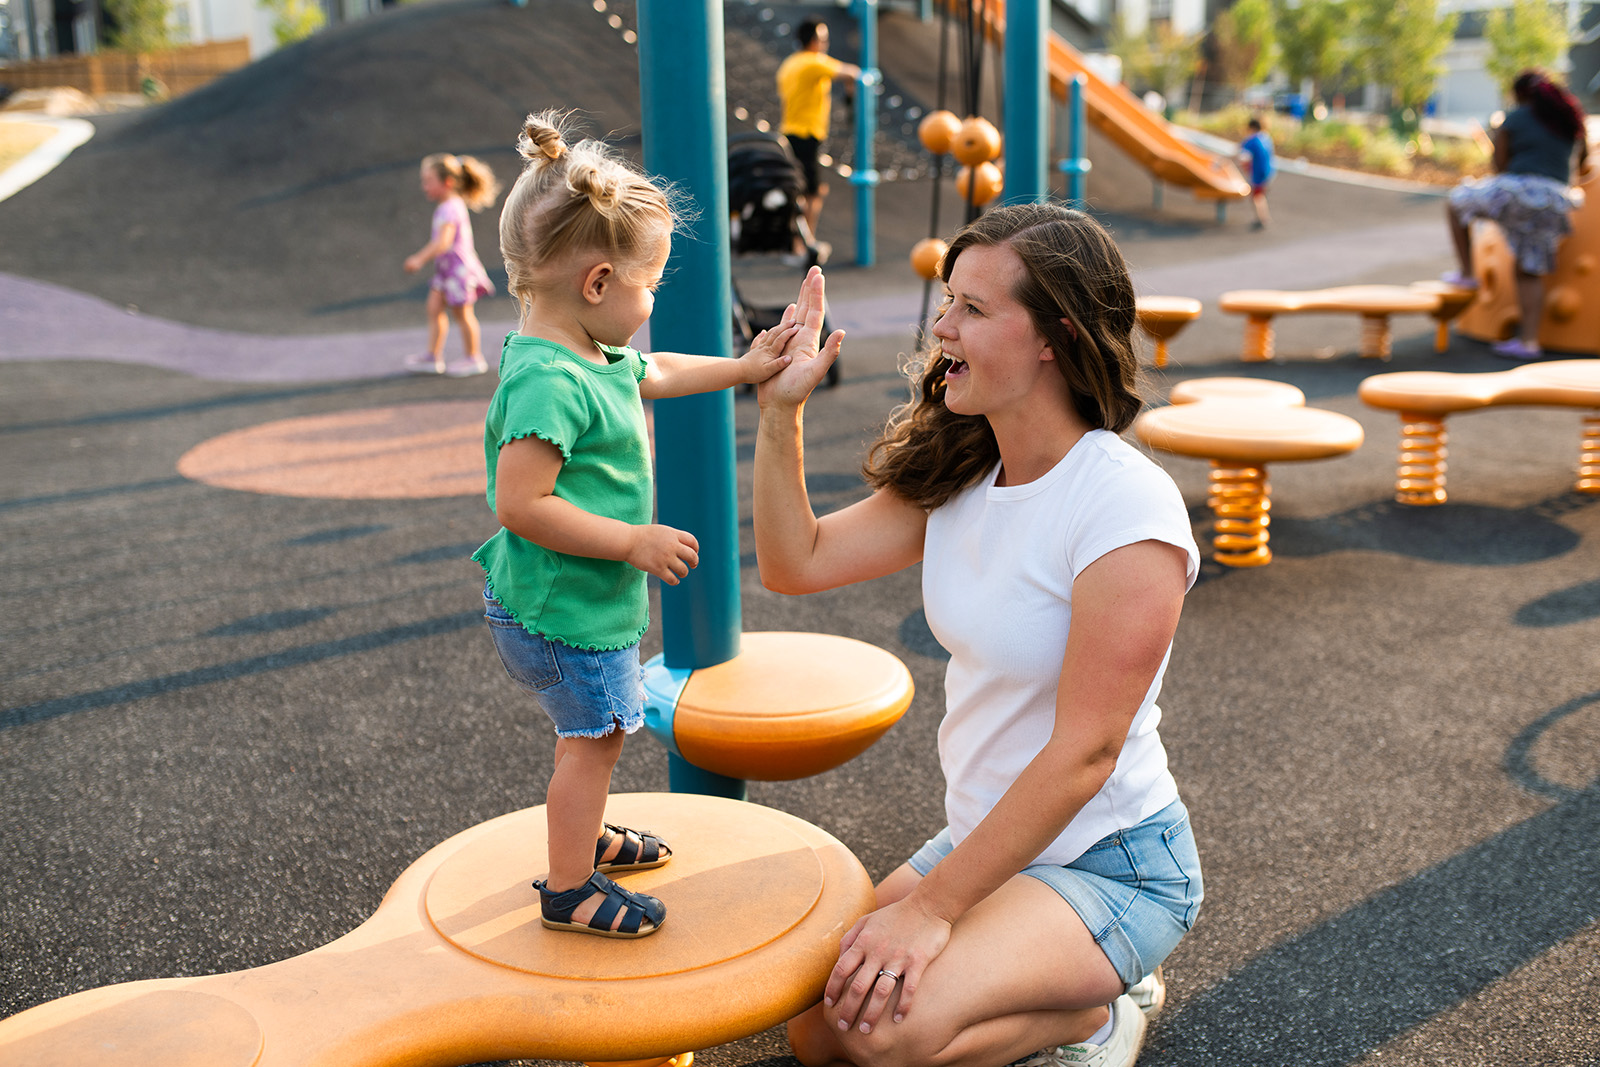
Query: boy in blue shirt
1257 150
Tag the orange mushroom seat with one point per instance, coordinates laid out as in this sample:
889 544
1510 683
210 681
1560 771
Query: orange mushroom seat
1163 317
789 706
1255 390
1453 300
453 967
1240 436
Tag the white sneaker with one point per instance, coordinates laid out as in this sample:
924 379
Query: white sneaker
1150 993
1121 1049
424 363
466 367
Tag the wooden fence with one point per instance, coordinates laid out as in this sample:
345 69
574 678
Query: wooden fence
179 69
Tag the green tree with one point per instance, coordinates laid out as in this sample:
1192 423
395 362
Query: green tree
1133 49
1244 44
294 20
139 25
1529 33
1159 58
1401 45
1313 41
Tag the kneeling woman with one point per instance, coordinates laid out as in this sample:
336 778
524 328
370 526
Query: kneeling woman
1055 561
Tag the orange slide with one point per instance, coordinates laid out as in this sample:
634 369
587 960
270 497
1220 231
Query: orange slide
1138 131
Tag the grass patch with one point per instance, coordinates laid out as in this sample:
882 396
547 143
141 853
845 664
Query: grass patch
1356 143
17 139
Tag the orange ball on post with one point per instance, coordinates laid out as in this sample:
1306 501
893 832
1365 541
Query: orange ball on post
976 142
981 189
927 255
938 131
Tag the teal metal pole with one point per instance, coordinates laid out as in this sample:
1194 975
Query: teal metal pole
1026 131
683 93
1076 164
865 175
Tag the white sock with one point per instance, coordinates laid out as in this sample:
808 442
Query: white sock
1102 1035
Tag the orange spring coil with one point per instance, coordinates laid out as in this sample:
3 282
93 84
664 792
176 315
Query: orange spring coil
1258 340
1589 455
1420 478
1375 336
1240 500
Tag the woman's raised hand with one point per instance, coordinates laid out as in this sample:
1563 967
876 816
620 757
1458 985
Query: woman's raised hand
810 358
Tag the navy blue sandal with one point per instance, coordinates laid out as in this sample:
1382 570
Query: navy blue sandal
642 914
640 850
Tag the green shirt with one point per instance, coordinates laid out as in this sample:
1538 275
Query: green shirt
594 415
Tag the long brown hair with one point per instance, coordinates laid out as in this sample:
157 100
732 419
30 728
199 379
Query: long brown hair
1072 270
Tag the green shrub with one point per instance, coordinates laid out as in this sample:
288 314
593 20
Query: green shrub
1385 154
1460 155
294 20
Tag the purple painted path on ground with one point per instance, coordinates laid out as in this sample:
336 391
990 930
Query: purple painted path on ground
39 321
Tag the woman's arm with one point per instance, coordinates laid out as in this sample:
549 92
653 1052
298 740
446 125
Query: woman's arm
1125 609
441 243
1502 150
795 551
525 481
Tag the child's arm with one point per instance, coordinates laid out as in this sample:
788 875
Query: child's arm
525 481
676 374
441 243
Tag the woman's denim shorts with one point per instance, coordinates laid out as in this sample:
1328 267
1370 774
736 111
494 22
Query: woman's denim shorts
1137 890
585 693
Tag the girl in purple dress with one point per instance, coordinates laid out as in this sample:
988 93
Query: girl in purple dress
455 183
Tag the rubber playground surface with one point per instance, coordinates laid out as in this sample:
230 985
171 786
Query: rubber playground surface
243 675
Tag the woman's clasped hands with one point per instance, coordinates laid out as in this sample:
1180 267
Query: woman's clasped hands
881 962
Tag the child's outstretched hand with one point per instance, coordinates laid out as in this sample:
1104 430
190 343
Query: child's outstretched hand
810 356
414 263
768 353
664 552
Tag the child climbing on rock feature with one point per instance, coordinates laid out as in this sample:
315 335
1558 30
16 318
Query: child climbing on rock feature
585 240
456 184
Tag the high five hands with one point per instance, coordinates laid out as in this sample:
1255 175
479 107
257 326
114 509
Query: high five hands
810 357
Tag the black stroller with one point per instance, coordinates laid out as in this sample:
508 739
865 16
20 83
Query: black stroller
764 186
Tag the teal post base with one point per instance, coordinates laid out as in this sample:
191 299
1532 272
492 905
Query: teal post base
685 777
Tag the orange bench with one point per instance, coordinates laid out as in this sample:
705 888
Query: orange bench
1374 303
1424 399
453 967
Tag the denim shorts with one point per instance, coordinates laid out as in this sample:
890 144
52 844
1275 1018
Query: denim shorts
1137 890
585 693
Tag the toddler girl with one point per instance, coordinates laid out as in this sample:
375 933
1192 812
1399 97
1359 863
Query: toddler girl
455 183
585 240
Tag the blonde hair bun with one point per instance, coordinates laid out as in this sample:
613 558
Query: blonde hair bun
541 138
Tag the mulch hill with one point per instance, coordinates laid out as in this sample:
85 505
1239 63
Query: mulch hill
283 197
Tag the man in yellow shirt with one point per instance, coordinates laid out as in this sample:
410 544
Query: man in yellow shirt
805 86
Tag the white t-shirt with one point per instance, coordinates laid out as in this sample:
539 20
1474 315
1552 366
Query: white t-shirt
997 573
